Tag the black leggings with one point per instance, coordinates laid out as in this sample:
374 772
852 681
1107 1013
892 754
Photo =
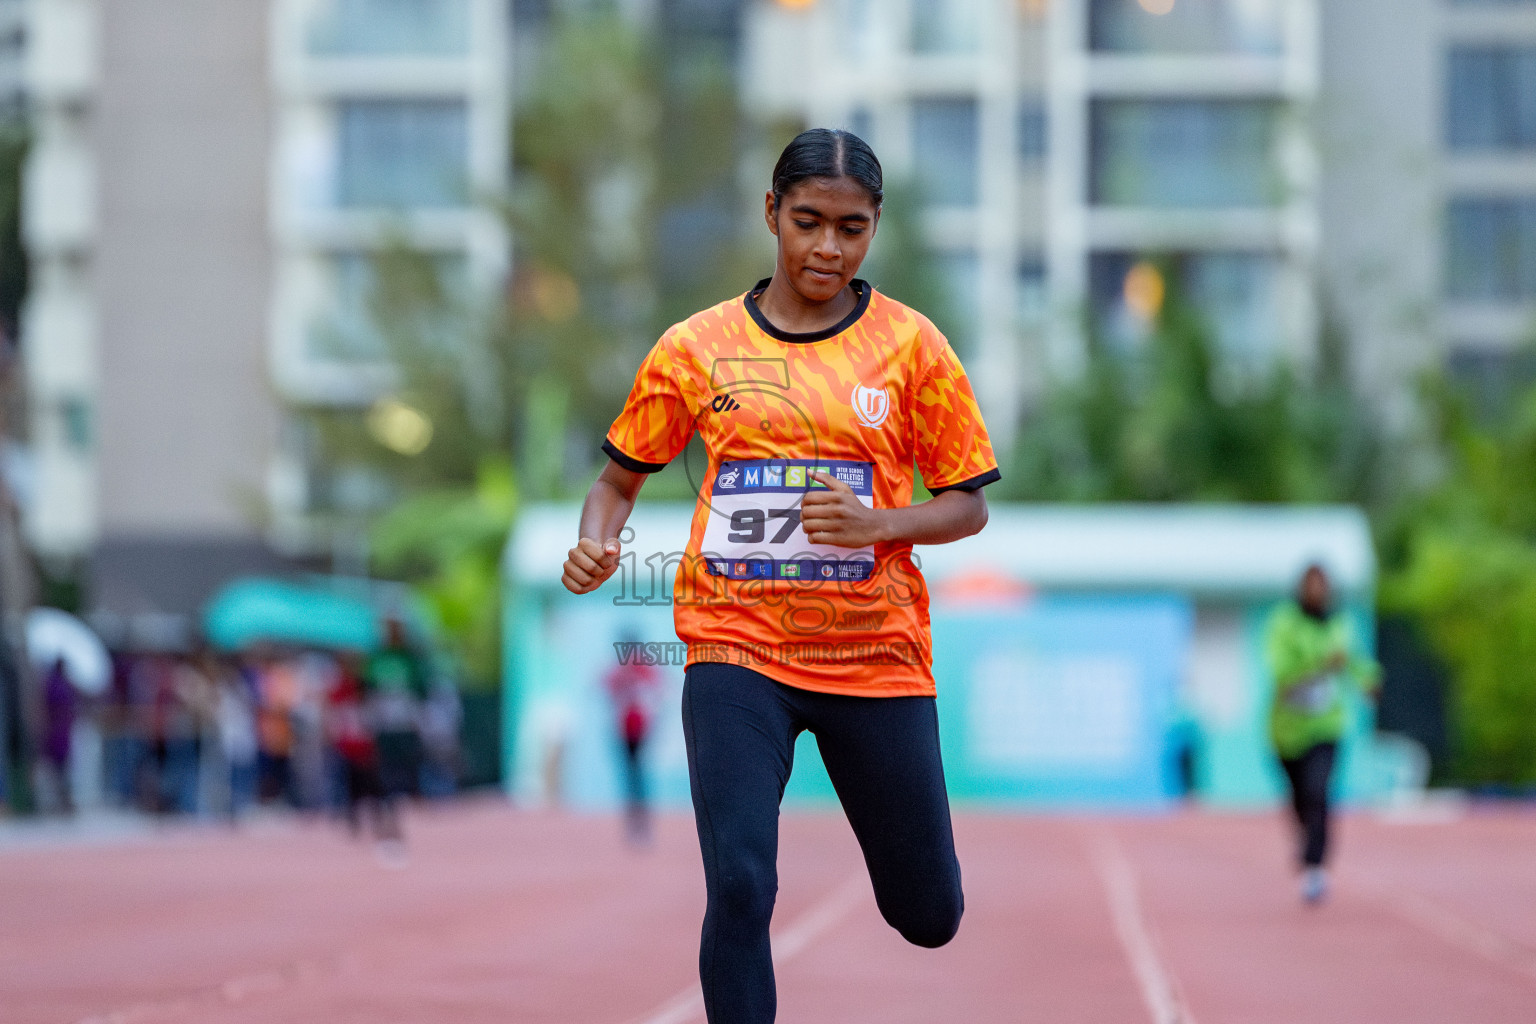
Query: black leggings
1309 775
882 754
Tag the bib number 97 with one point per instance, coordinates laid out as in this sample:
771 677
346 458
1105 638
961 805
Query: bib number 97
750 525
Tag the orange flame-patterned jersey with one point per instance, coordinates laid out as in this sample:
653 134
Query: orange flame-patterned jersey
864 401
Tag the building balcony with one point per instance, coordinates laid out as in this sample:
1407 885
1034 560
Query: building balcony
61 51
1149 230
59 206
58 331
1204 75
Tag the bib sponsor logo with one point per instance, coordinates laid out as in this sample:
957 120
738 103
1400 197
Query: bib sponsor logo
773 476
870 405
853 476
727 480
794 476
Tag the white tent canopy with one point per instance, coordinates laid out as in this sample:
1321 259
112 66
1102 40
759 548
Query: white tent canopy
1211 550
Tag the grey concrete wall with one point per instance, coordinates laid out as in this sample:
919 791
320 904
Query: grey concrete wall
1379 142
187 421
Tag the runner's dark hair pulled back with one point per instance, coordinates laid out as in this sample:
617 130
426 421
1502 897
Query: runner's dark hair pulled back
828 153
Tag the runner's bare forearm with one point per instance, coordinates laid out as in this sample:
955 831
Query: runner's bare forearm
603 515
836 516
947 516
610 502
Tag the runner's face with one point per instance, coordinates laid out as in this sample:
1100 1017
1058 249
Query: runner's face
1315 591
824 227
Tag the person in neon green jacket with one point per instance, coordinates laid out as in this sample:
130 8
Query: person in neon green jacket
1312 656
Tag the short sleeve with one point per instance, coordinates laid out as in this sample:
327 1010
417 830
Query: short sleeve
953 449
656 422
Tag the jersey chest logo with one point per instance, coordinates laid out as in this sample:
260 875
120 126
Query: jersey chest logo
870 405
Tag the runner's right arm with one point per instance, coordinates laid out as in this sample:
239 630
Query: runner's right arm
603 515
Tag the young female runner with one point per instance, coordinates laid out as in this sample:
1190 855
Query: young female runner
797 596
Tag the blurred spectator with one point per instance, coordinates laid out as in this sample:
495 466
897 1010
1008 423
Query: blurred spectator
122 738
140 716
632 687
185 712
316 674
348 729
59 708
395 684
277 693
197 682
236 715
168 778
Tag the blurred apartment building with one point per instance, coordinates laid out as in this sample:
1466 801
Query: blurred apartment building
208 178
1359 165
1427 129
206 182
1057 143
952 96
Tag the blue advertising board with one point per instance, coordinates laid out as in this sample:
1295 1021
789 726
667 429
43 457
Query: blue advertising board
1061 701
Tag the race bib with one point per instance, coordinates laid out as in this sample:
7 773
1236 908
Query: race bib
754 529
1313 697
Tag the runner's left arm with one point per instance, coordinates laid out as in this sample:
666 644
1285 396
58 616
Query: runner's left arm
836 516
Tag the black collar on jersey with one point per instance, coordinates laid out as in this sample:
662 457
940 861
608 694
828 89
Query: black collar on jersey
864 290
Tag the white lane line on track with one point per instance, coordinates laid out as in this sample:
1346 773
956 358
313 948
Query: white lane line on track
791 941
1159 990
1450 927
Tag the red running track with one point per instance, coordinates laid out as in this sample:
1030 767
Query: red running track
535 918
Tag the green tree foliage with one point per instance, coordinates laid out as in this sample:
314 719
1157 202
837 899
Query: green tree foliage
583 213
449 541
1461 557
626 216
1170 421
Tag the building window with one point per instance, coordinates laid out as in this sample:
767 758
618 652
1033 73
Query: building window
961 274
944 142
403 153
75 422
1184 153
1187 26
862 123
945 26
349 330
1032 129
1490 250
375 28
1235 293
1031 300
1490 98
1492 378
